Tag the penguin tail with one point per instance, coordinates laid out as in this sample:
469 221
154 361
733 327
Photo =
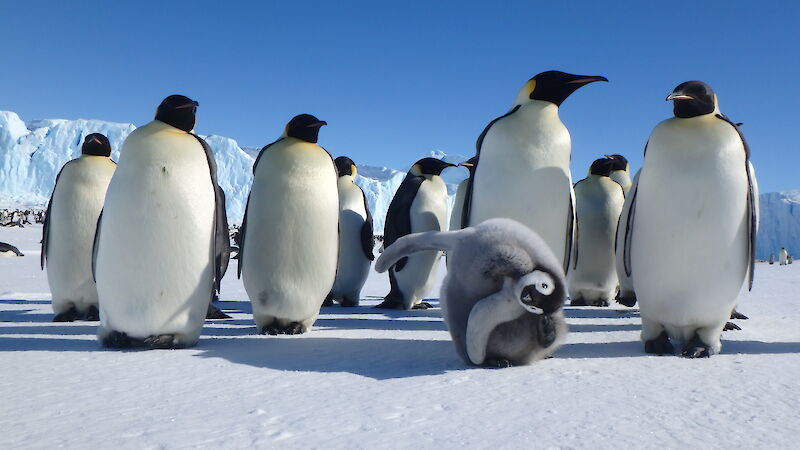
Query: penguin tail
419 242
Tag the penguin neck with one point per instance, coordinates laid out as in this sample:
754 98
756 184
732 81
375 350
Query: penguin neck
542 108
347 178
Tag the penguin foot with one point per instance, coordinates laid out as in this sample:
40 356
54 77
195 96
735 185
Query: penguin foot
328 300
92 314
70 315
660 345
600 302
696 349
214 313
730 326
272 330
422 305
390 304
737 315
294 328
116 339
348 303
577 302
161 341
630 302
546 331
501 363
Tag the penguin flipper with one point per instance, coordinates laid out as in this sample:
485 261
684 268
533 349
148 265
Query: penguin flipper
418 242
46 228
367 232
222 251
485 316
398 217
467 207
95 246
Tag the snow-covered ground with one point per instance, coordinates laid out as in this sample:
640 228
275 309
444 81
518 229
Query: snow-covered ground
365 378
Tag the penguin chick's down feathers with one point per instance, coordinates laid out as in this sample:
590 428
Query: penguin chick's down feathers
503 294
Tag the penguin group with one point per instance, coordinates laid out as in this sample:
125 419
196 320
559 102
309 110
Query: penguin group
521 242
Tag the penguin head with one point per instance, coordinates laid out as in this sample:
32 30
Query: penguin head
429 167
178 111
541 292
345 166
304 127
553 86
471 164
601 167
618 162
692 99
96 144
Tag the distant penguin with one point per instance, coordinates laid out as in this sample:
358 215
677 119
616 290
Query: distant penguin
620 171
523 163
355 237
696 195
457 215
157 271
502 297
783 257
771 259
625 295
598 204
68 233
8 250
420 204
289 237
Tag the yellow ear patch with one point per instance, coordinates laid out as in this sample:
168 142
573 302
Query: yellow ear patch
353 170
530 86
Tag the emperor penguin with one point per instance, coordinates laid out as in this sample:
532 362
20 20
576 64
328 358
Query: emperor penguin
457 215
503 294
157 272
620 171
8 250
625 295
783 257
696 195
420 204
289 236
598 204
356 238
69 227
523 163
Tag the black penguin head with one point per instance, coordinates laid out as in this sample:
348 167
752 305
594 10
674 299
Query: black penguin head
618 162
543 293
692 99
554 86
471 164
601 167
429 166
178 111
96 144
305 127
345 166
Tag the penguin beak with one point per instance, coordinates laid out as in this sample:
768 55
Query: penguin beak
316 124
584 79
189 105
466 164
679 96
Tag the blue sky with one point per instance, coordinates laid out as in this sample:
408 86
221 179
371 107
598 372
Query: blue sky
396 80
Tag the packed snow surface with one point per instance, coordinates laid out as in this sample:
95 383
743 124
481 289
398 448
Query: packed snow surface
367 378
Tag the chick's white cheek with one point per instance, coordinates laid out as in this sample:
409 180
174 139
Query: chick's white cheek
543 282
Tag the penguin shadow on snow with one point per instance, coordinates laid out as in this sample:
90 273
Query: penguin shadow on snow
380 359
6 301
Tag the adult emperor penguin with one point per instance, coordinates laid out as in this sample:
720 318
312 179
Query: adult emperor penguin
696 195
420 204
783 257
69 226
523 163
457 215
620 171
598 204
289 237
503 294
355 237
157 272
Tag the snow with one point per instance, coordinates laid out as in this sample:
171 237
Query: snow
780 223
365 378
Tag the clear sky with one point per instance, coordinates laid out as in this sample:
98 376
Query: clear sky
396 80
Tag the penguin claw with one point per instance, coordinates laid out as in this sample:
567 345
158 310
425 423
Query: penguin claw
422 305
499 363
737 315
600 302
696 349
70 315
294 328
214 313
660 345
730 326
271 330
116 339
161 342
92 314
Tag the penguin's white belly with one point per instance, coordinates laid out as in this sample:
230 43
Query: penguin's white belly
353 263
523 174
599 204
7 254
154 265
428 213
76 204
691 203
291 242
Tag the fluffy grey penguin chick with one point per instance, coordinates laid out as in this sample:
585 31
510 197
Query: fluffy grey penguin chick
503 294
